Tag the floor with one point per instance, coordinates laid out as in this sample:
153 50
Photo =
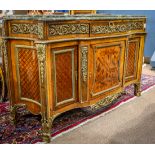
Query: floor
133 122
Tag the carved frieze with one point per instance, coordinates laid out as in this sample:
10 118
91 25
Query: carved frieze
20 28
116 27
41 52
84 62
67 29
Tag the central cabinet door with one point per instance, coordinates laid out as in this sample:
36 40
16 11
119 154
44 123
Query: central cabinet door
107 67
64 75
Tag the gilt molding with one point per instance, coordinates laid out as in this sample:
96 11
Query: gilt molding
41 53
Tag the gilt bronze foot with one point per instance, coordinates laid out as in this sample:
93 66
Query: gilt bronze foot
137 90
14 114
46 131
14 109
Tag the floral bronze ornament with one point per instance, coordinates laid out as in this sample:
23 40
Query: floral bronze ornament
40 30
41 52
106 101
116 27
24 28
67 29
36 29
84 63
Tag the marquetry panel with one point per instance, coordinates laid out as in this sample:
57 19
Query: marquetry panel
131 60
64 72
28 74
106 68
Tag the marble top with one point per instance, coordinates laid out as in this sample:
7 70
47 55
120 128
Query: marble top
72 17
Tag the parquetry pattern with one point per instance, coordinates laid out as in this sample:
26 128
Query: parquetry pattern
29 73
131 59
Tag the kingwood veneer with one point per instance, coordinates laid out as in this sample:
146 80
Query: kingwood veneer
58 63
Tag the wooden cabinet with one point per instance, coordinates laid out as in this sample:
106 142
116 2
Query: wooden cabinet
58 63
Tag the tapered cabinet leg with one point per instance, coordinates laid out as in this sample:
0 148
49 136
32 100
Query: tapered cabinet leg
46 122
46 130
137 90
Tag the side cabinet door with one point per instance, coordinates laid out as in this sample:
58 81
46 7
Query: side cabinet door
25 73
106 68
132 59
64 75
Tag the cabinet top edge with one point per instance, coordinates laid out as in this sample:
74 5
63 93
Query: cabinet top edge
71 17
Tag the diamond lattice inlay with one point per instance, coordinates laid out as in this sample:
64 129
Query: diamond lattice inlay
28 74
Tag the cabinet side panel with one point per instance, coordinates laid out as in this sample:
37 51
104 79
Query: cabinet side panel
132 60
28 74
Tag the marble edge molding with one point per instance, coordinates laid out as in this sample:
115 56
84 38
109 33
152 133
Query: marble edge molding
72 17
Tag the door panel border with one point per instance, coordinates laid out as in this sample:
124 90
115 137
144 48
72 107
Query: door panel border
135 60
94 51
73 75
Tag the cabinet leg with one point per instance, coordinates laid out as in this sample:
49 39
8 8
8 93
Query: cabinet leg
14 114
137 90
46 130
14 110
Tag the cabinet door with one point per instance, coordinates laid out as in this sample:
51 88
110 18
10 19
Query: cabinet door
107 67
132 59
64 75
24 73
